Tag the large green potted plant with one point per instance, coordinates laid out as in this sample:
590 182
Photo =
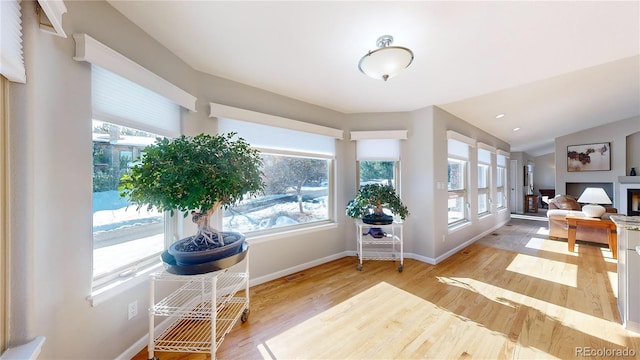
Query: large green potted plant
370 202
196 175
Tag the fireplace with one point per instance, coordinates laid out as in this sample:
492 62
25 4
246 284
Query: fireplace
633 202
628 201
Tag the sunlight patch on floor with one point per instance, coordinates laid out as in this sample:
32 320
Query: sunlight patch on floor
573 319
543 231
549 270
607 255
386 322
613 281
558 247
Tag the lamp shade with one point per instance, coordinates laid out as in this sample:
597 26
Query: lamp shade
386 61
594 196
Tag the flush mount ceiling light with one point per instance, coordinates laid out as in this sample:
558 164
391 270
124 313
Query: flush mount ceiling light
387 61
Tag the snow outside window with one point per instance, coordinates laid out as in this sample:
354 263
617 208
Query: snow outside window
298 174
125 238
127 118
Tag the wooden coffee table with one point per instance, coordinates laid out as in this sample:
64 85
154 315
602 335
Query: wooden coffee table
575 221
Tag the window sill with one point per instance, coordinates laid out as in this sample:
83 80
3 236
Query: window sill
458 226
118 286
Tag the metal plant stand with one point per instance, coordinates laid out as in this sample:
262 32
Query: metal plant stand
388 247
202 310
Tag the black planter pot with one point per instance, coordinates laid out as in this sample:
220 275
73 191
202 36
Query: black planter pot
235 240
374 219
215 265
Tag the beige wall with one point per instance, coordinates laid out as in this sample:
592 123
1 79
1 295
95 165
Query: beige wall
616 133
51 236
544 175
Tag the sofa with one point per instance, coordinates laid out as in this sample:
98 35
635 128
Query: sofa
562 205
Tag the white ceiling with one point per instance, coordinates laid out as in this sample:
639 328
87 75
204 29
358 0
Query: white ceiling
553 68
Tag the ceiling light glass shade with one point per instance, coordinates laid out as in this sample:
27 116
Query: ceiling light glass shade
594 196
387 61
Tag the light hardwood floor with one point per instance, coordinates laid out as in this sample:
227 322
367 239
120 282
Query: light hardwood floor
514 294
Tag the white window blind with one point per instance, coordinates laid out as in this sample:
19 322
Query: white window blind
278 138
118 100
378 149
11 59
484 156
458 149
381 145
501 158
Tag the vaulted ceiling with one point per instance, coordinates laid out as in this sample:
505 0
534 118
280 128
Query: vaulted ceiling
553 68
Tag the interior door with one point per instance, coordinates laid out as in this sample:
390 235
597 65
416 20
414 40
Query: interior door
513 185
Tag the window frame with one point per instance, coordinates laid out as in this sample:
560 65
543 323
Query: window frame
502 195
149 261
460 193
485 160
486 190
331 219
459 149
396 173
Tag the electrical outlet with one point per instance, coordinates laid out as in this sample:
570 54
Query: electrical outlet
132 309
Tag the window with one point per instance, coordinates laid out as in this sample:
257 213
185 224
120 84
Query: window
457 187
378 157
126 118
377 172
122 234
501 180
296 192
457 174
483 189
484 179
298 174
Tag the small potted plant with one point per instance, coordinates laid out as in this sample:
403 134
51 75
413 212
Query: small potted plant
370 202
196 175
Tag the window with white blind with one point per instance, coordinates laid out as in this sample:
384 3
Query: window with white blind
298 169
378 162
378 157
458 150
484 179
131 106
126 118
11 59
501 180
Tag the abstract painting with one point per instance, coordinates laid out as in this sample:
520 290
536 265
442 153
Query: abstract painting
589 157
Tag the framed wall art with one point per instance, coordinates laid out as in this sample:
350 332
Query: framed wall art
589 157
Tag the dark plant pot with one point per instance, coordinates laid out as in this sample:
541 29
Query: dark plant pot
374 219
215 265
207 255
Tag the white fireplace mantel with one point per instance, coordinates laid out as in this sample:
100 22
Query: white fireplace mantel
629 179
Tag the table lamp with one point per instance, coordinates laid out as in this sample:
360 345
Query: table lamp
594 197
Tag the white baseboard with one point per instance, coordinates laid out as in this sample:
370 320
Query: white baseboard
295 269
